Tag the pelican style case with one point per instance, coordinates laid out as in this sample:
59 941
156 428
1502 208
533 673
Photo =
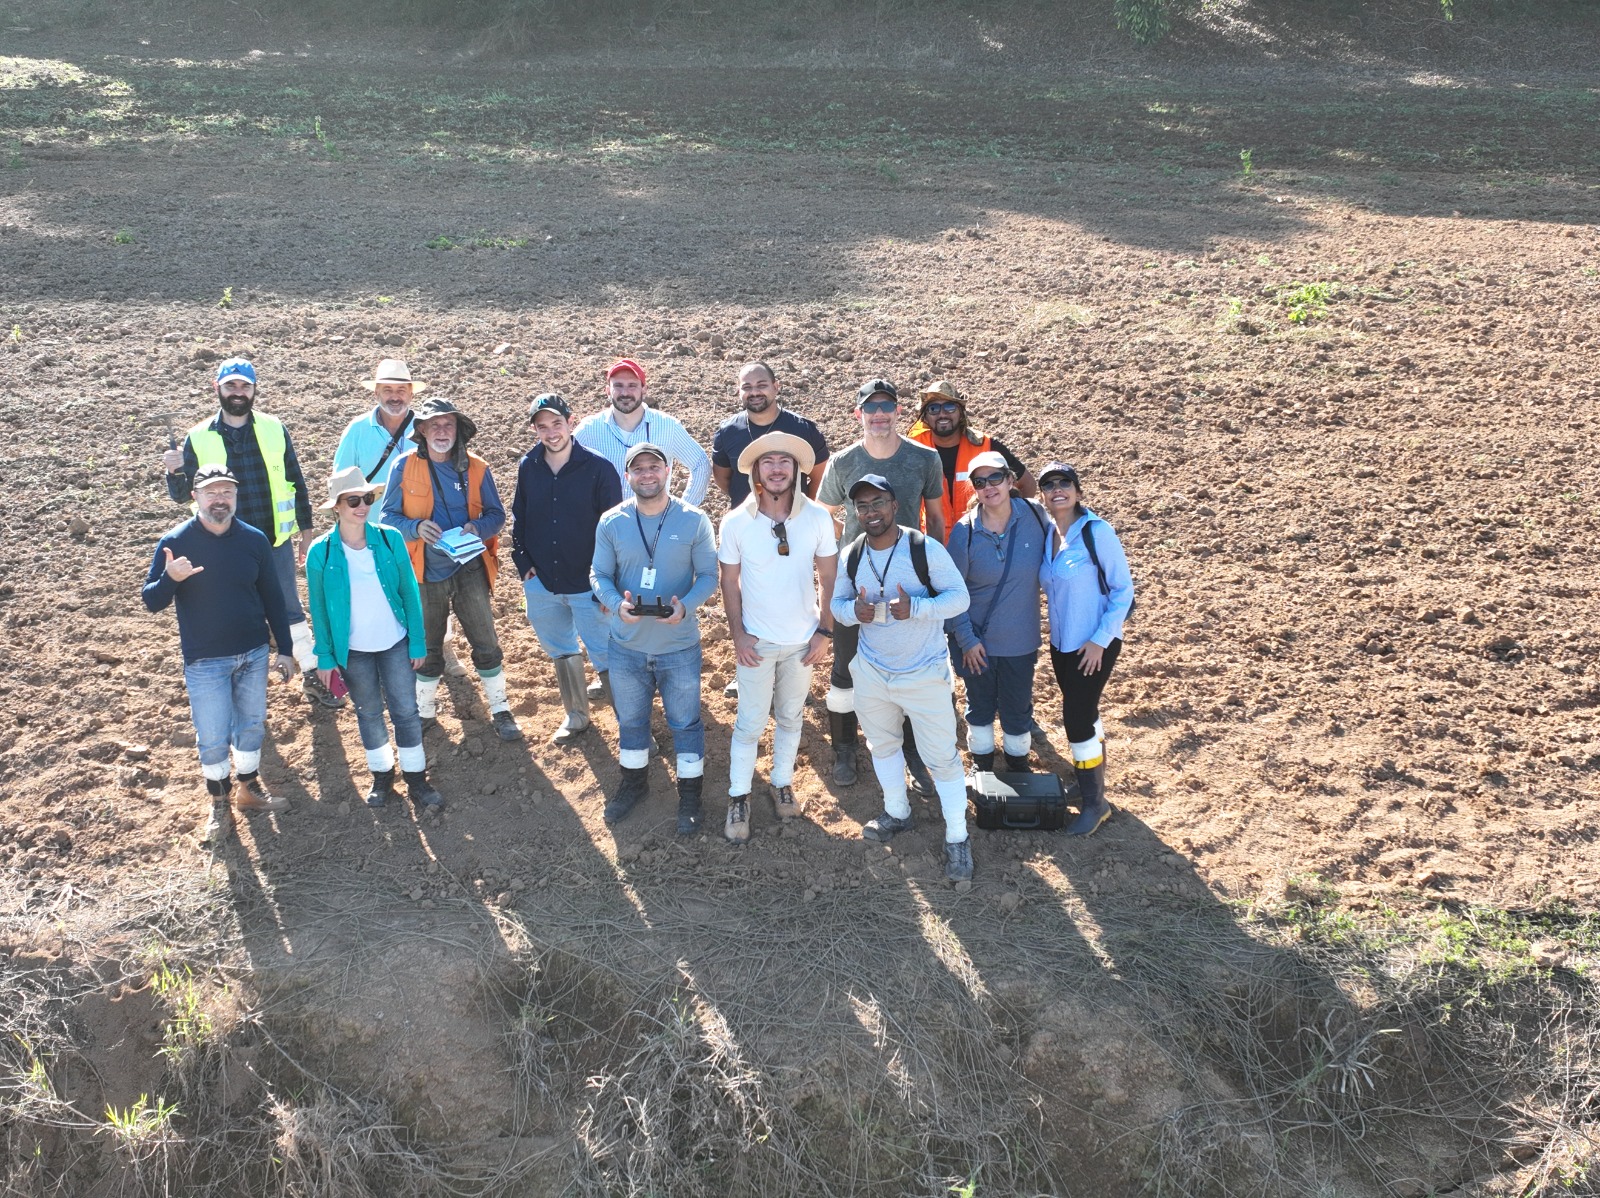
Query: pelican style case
1018 801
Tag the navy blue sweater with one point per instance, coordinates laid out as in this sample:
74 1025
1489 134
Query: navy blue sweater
227 608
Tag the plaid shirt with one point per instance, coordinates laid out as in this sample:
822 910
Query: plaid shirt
244 461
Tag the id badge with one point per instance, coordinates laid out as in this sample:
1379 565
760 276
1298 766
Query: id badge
647 579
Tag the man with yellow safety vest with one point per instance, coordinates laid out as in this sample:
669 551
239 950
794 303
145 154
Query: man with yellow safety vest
257 451
942 425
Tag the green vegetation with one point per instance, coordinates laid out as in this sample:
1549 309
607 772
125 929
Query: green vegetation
1305 301
122 237
227 298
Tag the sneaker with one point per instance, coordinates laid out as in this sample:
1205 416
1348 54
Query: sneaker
250 794
883 827
958 861
311 683
453 665
635 787
218 825
505 725
784 802
737 829
731 691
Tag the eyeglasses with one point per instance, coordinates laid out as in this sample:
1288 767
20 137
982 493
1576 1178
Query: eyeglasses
1057 482
948 405
989 480
781 531
877 407
367 500
872 505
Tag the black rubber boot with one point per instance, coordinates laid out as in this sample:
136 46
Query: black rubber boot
635 786
1093 808
382 788
983 763
689 805
921 779
1016 765
842 731
421 792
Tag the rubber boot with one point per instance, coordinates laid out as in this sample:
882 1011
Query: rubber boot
921 779
569 681
689 805
1093 808
983 763
1016 765
842 731
635 786
421 792
382 788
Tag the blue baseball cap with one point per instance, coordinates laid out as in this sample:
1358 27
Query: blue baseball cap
236 368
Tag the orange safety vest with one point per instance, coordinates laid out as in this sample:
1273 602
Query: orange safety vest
958 496
416 503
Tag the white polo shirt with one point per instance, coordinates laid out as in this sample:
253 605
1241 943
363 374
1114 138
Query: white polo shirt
778 594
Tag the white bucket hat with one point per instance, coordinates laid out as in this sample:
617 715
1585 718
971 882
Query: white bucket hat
393 370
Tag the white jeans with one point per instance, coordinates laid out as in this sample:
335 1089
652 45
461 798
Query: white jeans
778 686
883 703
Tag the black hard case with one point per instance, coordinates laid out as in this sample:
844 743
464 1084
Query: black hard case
1018 801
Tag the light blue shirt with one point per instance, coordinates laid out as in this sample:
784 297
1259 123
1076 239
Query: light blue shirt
681 548
1079 612
363 445
601 434
914 644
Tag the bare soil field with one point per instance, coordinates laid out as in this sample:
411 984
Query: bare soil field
1320 334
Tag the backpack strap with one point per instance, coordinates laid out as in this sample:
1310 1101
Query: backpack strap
1088 543
919 559
852 559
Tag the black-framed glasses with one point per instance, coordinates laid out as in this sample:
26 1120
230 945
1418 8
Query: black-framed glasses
873 505
367 500
877 407
939 406
990 480
781 531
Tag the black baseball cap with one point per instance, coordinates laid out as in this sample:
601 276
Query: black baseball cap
872 480
550 402
876 387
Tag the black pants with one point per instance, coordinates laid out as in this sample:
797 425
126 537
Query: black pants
1080 692
845 639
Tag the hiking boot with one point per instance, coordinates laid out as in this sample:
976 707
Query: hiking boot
635 786
689 805
882 828
731 691
311 684
218 825
382 787
983 763
1016 765
1093 810
737 829
421 792
250 794
505 725
958 861
784 802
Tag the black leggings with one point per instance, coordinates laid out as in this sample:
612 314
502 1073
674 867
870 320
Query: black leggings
1080 692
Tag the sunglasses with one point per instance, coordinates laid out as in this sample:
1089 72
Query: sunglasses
989 480
781 531
367 500
948 405
1057 482
877 407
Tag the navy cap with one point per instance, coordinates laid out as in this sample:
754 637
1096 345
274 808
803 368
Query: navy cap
550 402
876 387
872 480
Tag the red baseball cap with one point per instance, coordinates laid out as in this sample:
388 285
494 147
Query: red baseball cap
622 364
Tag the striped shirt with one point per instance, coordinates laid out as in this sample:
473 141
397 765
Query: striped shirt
601 434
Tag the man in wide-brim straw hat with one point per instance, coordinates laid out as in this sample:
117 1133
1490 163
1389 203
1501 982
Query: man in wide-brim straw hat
373 440
776 547
438 488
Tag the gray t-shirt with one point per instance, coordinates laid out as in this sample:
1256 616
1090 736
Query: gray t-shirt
914 472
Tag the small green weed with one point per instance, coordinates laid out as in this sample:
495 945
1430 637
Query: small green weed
227 298
1247 165
1306 301
16 333
122 237
142 1125
441 242
886 170
385 299
327 147
190 1027
14 156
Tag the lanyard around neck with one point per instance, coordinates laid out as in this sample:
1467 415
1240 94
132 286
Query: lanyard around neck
650 545
871 565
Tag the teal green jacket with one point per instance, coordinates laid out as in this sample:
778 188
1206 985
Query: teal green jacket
328 581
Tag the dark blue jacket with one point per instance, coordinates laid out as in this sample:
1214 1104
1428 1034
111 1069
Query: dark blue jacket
226 609
553 516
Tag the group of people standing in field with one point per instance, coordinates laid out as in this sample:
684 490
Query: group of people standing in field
899 560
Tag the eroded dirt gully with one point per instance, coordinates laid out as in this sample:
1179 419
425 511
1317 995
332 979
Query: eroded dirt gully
1364 543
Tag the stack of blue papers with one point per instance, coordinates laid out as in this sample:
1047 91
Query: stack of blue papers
460 546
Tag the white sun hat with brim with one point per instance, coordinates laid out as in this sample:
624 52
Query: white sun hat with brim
349 481
796 447
393 370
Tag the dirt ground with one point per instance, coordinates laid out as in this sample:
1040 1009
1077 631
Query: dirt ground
1360 517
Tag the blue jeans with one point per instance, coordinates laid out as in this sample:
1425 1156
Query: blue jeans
376 679
283 558
228 702
1006 687
636 677
559 620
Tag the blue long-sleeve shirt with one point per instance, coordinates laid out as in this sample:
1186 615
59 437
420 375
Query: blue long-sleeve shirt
553 516
1078 611
449 510
1011 628
226 608
685 561
902 646
363 445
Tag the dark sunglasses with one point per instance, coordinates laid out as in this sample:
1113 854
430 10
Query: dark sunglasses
948 405
367 500
1057 482
877 407
781 531
989 480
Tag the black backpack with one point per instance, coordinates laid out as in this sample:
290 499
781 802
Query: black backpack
919 559
1088 543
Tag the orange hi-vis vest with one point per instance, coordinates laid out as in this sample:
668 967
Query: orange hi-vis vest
958 495
416 503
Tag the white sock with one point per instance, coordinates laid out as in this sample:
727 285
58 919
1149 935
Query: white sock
953 805
246 763
427 697
413 759
494 690
380 760
891 773
980 738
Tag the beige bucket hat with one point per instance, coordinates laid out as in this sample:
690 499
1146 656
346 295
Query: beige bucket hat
795 447
349 481
393 370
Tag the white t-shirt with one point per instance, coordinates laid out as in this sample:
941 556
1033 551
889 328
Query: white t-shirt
778 594
373 627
